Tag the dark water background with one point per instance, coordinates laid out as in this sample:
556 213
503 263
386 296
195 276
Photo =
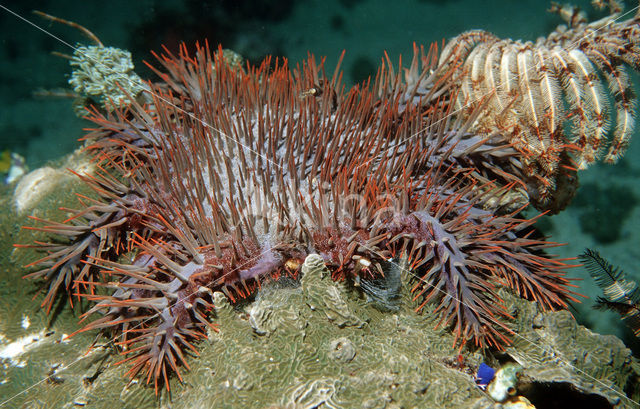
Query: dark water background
603 216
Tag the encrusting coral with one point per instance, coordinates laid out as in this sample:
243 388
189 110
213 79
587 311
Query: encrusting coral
232 175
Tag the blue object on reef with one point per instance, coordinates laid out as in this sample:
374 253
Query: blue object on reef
484 375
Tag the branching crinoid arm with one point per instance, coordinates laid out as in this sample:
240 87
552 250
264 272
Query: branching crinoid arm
620 293
610 45
552 98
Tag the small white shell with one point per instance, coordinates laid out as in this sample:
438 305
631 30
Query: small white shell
504 383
